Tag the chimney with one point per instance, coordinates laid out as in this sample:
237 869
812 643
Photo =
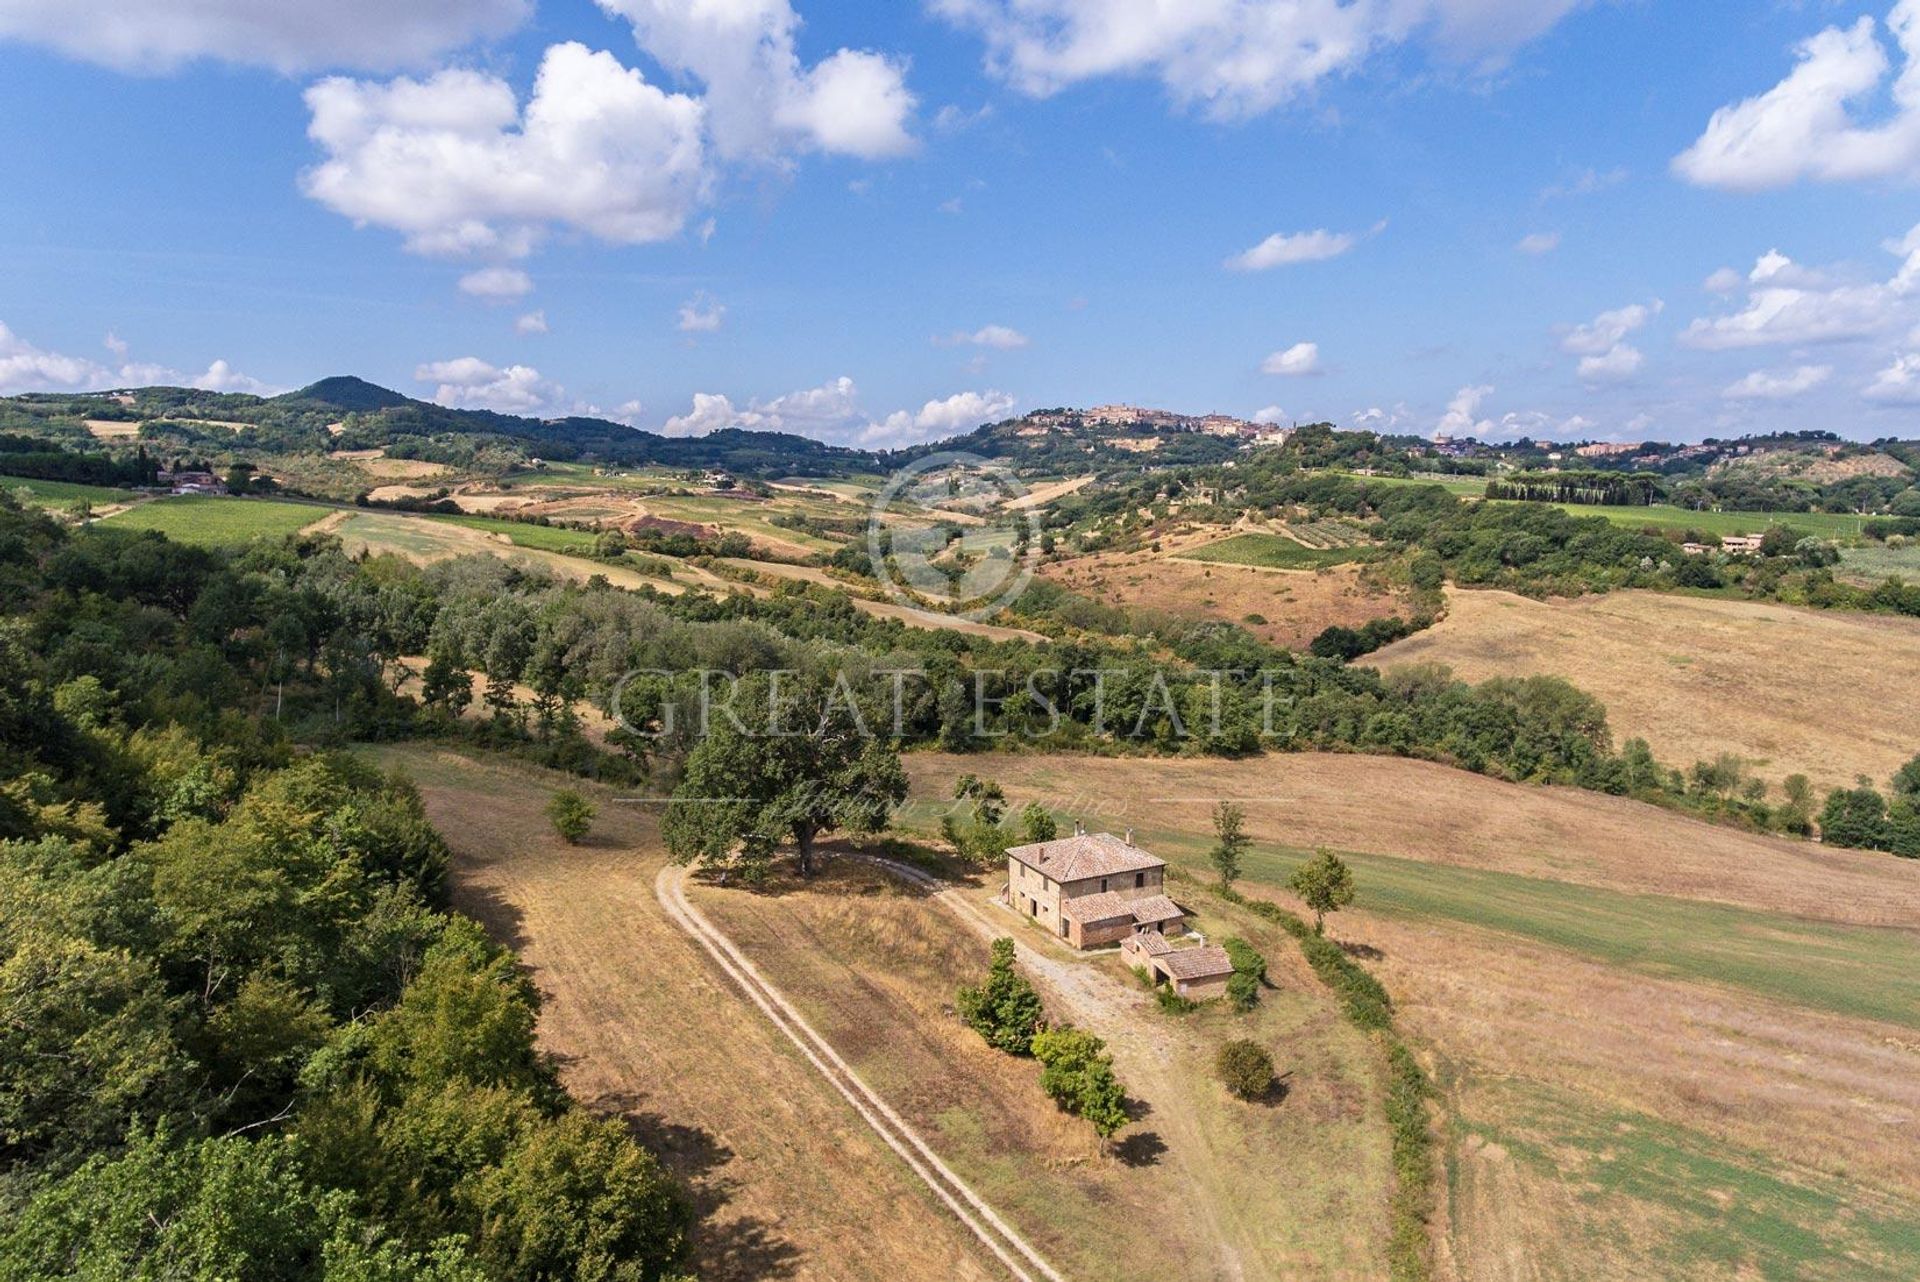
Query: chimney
1129 836
1079 828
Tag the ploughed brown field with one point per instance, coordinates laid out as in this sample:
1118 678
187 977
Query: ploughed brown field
1664 1049
1826 693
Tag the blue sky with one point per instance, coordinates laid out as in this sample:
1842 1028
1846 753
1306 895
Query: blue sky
885 222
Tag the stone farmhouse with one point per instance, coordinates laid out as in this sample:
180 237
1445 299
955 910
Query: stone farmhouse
1094 889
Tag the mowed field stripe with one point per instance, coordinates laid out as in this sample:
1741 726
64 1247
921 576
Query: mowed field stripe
972 1211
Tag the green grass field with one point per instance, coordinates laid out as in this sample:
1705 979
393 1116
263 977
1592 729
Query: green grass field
1850 970
47 492
1702 1207
218 522
1872 562
1272 551
546 538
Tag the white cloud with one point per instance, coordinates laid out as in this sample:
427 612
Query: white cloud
1000 337
534 322
115 344
1787 304
1805 127
1271 414
1283 249
497 283
1898 383
1601 343
469 383
222 377
953 119
1460 418
287 35
1540 242
1724 281
27 368
454 164
961 412
833 412
761 102
702 314
1777 385
1613 365
1301 358
711 411
1228 59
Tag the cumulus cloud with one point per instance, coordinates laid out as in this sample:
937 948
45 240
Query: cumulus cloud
1228 59
534 322
1271 414
1301 358
1898 383
833 412
702 314
1724 281
961 412
1810 126
1787 304
1605 355
469 383
159 35
1284 249
1462 416
1000 337
455 165
497 283
1538 243
27 368
1777 385
761 101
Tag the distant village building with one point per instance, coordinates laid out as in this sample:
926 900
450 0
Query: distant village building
1095 888
189 482
1610 449
1740 544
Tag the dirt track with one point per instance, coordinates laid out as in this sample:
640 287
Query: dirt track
981 1220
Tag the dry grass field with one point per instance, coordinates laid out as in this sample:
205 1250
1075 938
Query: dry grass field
1285 607
1825 693
1665 1049
789 1181
874 965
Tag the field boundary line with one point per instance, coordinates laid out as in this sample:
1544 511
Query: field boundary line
973 1212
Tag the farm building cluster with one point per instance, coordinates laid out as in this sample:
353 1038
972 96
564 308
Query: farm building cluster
1096 889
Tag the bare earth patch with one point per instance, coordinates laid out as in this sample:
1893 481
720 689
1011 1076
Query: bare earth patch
1826 693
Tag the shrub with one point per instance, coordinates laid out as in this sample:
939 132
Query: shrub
1246 960
1078 1074
572 815
1173 1003
1245 1068
1243 991
1005 1010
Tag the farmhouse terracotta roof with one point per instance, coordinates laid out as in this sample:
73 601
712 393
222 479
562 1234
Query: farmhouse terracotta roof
1209 962
1093 854
1113 906
1152 943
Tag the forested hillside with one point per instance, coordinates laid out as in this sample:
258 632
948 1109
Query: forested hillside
240 1035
